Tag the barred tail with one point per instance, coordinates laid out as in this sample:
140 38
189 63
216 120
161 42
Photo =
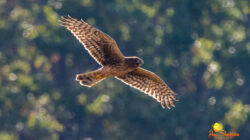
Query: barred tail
90 79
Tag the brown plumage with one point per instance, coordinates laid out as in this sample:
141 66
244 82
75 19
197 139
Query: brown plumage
127 69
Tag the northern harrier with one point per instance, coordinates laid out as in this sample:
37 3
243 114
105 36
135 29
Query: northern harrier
127 69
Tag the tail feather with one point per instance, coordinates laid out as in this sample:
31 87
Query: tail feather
89 79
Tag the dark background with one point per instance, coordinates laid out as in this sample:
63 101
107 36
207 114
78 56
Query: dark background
200 48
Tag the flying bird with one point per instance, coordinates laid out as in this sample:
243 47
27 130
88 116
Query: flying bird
127 69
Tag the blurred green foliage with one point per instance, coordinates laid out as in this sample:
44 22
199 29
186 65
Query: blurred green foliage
200 48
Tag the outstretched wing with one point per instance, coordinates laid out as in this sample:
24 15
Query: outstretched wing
101 46
150 84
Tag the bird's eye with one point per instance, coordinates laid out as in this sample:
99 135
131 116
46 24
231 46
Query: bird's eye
137 61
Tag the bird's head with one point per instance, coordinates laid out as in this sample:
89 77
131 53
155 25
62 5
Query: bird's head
134 61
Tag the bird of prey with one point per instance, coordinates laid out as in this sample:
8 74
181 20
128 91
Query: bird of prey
127 69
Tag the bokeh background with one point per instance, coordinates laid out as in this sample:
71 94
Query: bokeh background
200 48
